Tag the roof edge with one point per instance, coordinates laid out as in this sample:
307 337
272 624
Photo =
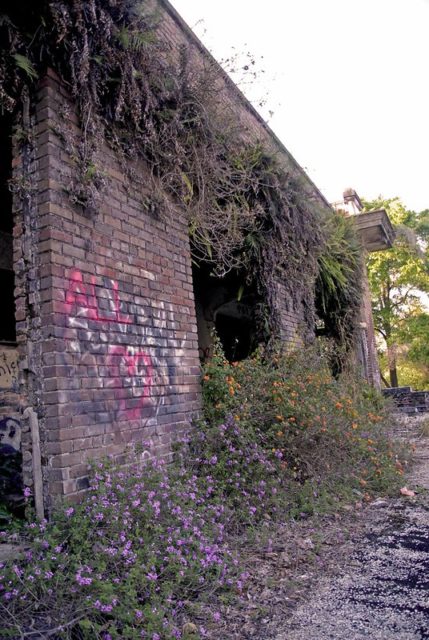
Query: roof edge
197 42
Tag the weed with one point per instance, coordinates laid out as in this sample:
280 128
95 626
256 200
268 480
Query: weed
150 544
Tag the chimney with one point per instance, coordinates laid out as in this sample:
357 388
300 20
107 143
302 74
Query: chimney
352 201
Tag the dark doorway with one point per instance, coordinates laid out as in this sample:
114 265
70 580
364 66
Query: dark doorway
228 305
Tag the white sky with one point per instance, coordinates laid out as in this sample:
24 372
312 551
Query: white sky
348 81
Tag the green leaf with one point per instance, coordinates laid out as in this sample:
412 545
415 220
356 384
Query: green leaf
26 65
188 197
135 40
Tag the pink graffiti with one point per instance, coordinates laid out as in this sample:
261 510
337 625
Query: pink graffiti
84 296
130 371
133 371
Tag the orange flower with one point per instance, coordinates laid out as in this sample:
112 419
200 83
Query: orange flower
206 378
338 405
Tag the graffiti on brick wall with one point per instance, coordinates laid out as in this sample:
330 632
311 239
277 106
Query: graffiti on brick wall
8 368
10 435
130 369
104 305
10 463
118 344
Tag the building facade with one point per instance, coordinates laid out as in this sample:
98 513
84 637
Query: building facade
104 322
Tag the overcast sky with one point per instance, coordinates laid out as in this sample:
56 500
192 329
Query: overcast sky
347 80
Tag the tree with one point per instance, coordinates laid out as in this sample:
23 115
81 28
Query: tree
399 282
413 366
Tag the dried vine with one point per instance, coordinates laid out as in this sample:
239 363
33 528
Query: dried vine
245 211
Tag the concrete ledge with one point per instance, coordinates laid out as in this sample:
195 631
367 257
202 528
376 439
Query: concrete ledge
375 230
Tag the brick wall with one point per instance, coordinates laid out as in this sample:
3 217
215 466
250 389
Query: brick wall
293 326
114 353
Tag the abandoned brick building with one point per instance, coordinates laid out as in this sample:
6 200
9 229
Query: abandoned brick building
104 319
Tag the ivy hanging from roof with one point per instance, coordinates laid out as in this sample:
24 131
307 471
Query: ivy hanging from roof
245 210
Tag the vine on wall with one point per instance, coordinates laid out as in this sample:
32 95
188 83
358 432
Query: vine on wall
246 212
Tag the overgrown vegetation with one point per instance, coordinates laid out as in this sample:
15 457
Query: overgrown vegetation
326 432
246 209
150 544
399 281
339 281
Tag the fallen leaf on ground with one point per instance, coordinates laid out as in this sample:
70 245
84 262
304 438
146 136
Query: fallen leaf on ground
407 492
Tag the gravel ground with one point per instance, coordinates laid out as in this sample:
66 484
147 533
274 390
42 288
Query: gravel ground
381 591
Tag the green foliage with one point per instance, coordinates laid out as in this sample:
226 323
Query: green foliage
339 281
399 280
246 210
25 64
325 432
411 373
132 561
415 335
150 543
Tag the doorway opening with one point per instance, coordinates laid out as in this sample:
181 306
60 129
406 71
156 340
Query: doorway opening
229 307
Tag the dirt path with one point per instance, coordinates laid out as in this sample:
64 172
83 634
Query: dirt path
381 590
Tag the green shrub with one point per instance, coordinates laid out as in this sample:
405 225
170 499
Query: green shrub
325 431
281 438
